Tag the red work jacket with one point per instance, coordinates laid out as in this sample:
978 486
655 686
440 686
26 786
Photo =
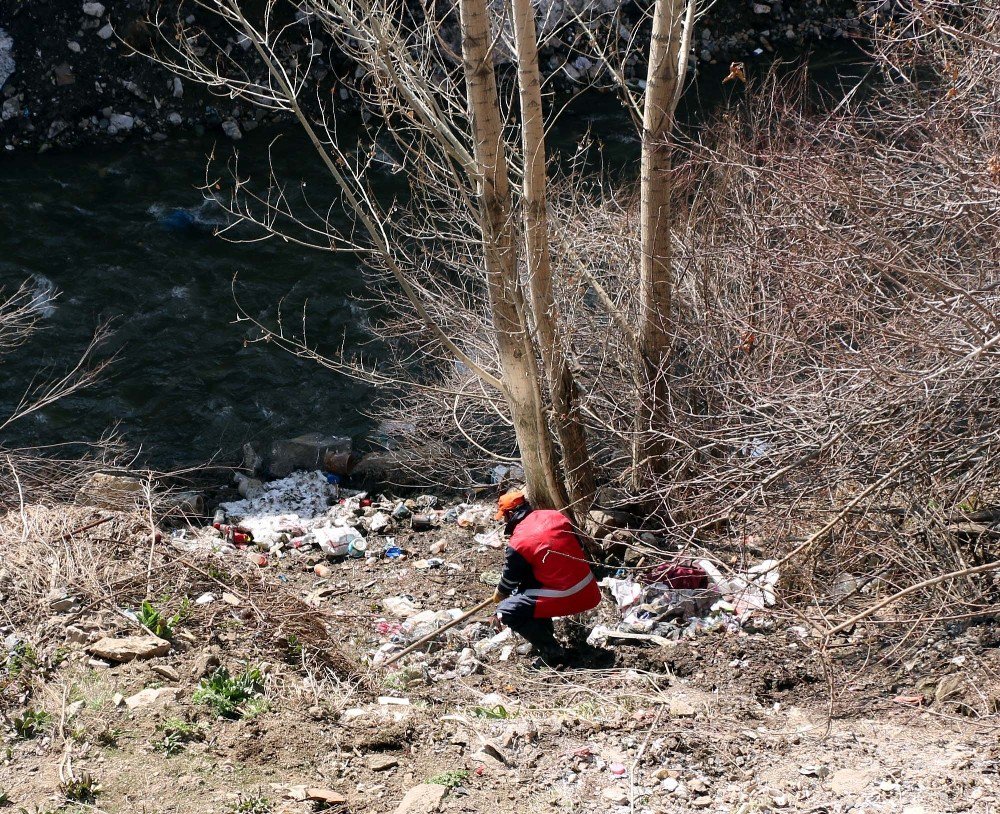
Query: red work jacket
546 539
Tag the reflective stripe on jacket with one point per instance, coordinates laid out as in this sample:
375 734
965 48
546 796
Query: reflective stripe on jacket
565 583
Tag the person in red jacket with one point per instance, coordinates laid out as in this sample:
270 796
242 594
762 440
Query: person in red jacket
545 574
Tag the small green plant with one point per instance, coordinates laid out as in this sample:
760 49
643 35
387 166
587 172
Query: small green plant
496 712
252 804
295 648
228 694
109 737
218 574
31 724
450 779
154 621
81 788
177 734
255 707
5 798
23 658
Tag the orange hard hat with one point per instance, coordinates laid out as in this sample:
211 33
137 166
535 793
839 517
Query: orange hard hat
509 501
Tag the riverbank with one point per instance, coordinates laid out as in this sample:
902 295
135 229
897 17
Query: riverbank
70 73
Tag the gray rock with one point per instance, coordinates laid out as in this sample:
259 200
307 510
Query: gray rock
122 122
305 452
106 33
73 46
7 64
167 672
60 601
129 648
162 697
423 799
93 9
177 87
232 129
10 109
382 763
84 632
64 74
204 664
175 118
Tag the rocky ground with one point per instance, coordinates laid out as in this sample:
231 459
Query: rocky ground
70 73
100 715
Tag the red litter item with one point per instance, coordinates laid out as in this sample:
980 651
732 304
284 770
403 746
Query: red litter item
617 769
680 577
365 502
231 530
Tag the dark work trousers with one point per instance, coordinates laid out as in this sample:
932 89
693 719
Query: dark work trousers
517 611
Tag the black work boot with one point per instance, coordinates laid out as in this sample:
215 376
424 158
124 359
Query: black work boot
541 634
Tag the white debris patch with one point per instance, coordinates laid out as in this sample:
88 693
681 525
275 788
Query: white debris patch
6 57
294 505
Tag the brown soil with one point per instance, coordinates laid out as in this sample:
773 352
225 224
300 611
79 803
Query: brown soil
737 722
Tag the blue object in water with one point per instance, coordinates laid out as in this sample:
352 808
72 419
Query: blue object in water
178 220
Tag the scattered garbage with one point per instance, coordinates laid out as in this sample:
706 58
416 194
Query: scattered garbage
680 600
421 522
490 539
479 516
379 522
337 541
401 606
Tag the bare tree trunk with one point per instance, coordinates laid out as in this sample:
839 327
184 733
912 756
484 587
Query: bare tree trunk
578 469
521 377
655 277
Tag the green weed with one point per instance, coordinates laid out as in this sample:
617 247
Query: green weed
80 789
449 779
295 648
22 659
255 707
497 712
228 694
177 734
109 737
5 798
252 804
31 724
218 574
158 624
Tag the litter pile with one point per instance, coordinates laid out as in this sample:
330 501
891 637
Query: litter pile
309 513
308 519
676 601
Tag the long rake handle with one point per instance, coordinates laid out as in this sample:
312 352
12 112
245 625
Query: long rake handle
424 639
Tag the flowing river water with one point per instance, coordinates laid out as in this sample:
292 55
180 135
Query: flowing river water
123 235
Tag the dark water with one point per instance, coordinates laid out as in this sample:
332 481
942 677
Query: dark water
123 235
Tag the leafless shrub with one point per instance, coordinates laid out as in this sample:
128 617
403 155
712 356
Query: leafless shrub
49 474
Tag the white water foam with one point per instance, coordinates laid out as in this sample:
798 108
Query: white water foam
43 296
